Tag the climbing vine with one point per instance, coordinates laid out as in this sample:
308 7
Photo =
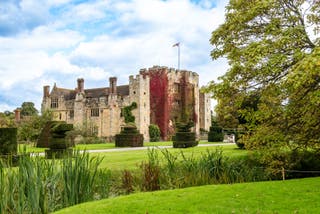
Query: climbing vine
126 112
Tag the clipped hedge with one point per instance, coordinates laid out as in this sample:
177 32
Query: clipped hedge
8 141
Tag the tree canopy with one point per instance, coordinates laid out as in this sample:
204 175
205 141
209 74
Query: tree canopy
273 83
28 109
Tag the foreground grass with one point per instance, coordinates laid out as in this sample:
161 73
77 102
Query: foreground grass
291 196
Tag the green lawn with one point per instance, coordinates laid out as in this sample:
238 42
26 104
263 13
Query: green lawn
131 159
120 160
31 148
291 196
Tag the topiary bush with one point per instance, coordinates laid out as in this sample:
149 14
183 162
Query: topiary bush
59 145
43 140
184 138
215 134
154 133
129 137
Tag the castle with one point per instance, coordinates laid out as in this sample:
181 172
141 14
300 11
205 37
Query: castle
163 96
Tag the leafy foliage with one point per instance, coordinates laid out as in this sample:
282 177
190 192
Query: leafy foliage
126 112
272 86
6 119
28 109
30 128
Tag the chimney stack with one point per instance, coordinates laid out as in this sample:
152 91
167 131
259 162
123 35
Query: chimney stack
113 85
17 114
80 85
46 91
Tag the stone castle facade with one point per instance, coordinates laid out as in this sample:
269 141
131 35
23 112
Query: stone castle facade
163 96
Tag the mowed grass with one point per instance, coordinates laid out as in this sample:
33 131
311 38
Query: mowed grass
121 160
290 196
32 148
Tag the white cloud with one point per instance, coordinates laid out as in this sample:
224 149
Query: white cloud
99 39
41 38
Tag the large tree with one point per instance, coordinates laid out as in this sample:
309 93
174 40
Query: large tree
272 47
28 109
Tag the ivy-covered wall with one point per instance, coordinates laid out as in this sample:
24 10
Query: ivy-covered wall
172 99
160 102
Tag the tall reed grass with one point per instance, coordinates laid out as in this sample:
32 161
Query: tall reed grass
38 185
167 170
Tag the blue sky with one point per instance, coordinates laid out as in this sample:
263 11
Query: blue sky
57 41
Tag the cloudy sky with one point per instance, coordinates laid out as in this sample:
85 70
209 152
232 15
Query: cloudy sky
57 41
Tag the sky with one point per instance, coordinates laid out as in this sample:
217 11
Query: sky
57 41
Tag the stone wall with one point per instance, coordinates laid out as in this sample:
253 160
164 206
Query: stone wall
161 93
205 111
140 93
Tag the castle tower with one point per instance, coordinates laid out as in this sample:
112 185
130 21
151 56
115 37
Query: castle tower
139 92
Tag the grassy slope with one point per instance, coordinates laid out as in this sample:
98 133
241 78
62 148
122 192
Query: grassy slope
291 196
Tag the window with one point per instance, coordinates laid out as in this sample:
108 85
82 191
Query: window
54 103
71 114
95 112
176 87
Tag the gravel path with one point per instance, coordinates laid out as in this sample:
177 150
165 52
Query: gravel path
150 147
142 148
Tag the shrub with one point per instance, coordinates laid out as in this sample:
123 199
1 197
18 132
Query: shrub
154 133
239 139
8 141
215 134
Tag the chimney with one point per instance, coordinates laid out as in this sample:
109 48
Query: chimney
46 90
17 114
113 85
80 85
